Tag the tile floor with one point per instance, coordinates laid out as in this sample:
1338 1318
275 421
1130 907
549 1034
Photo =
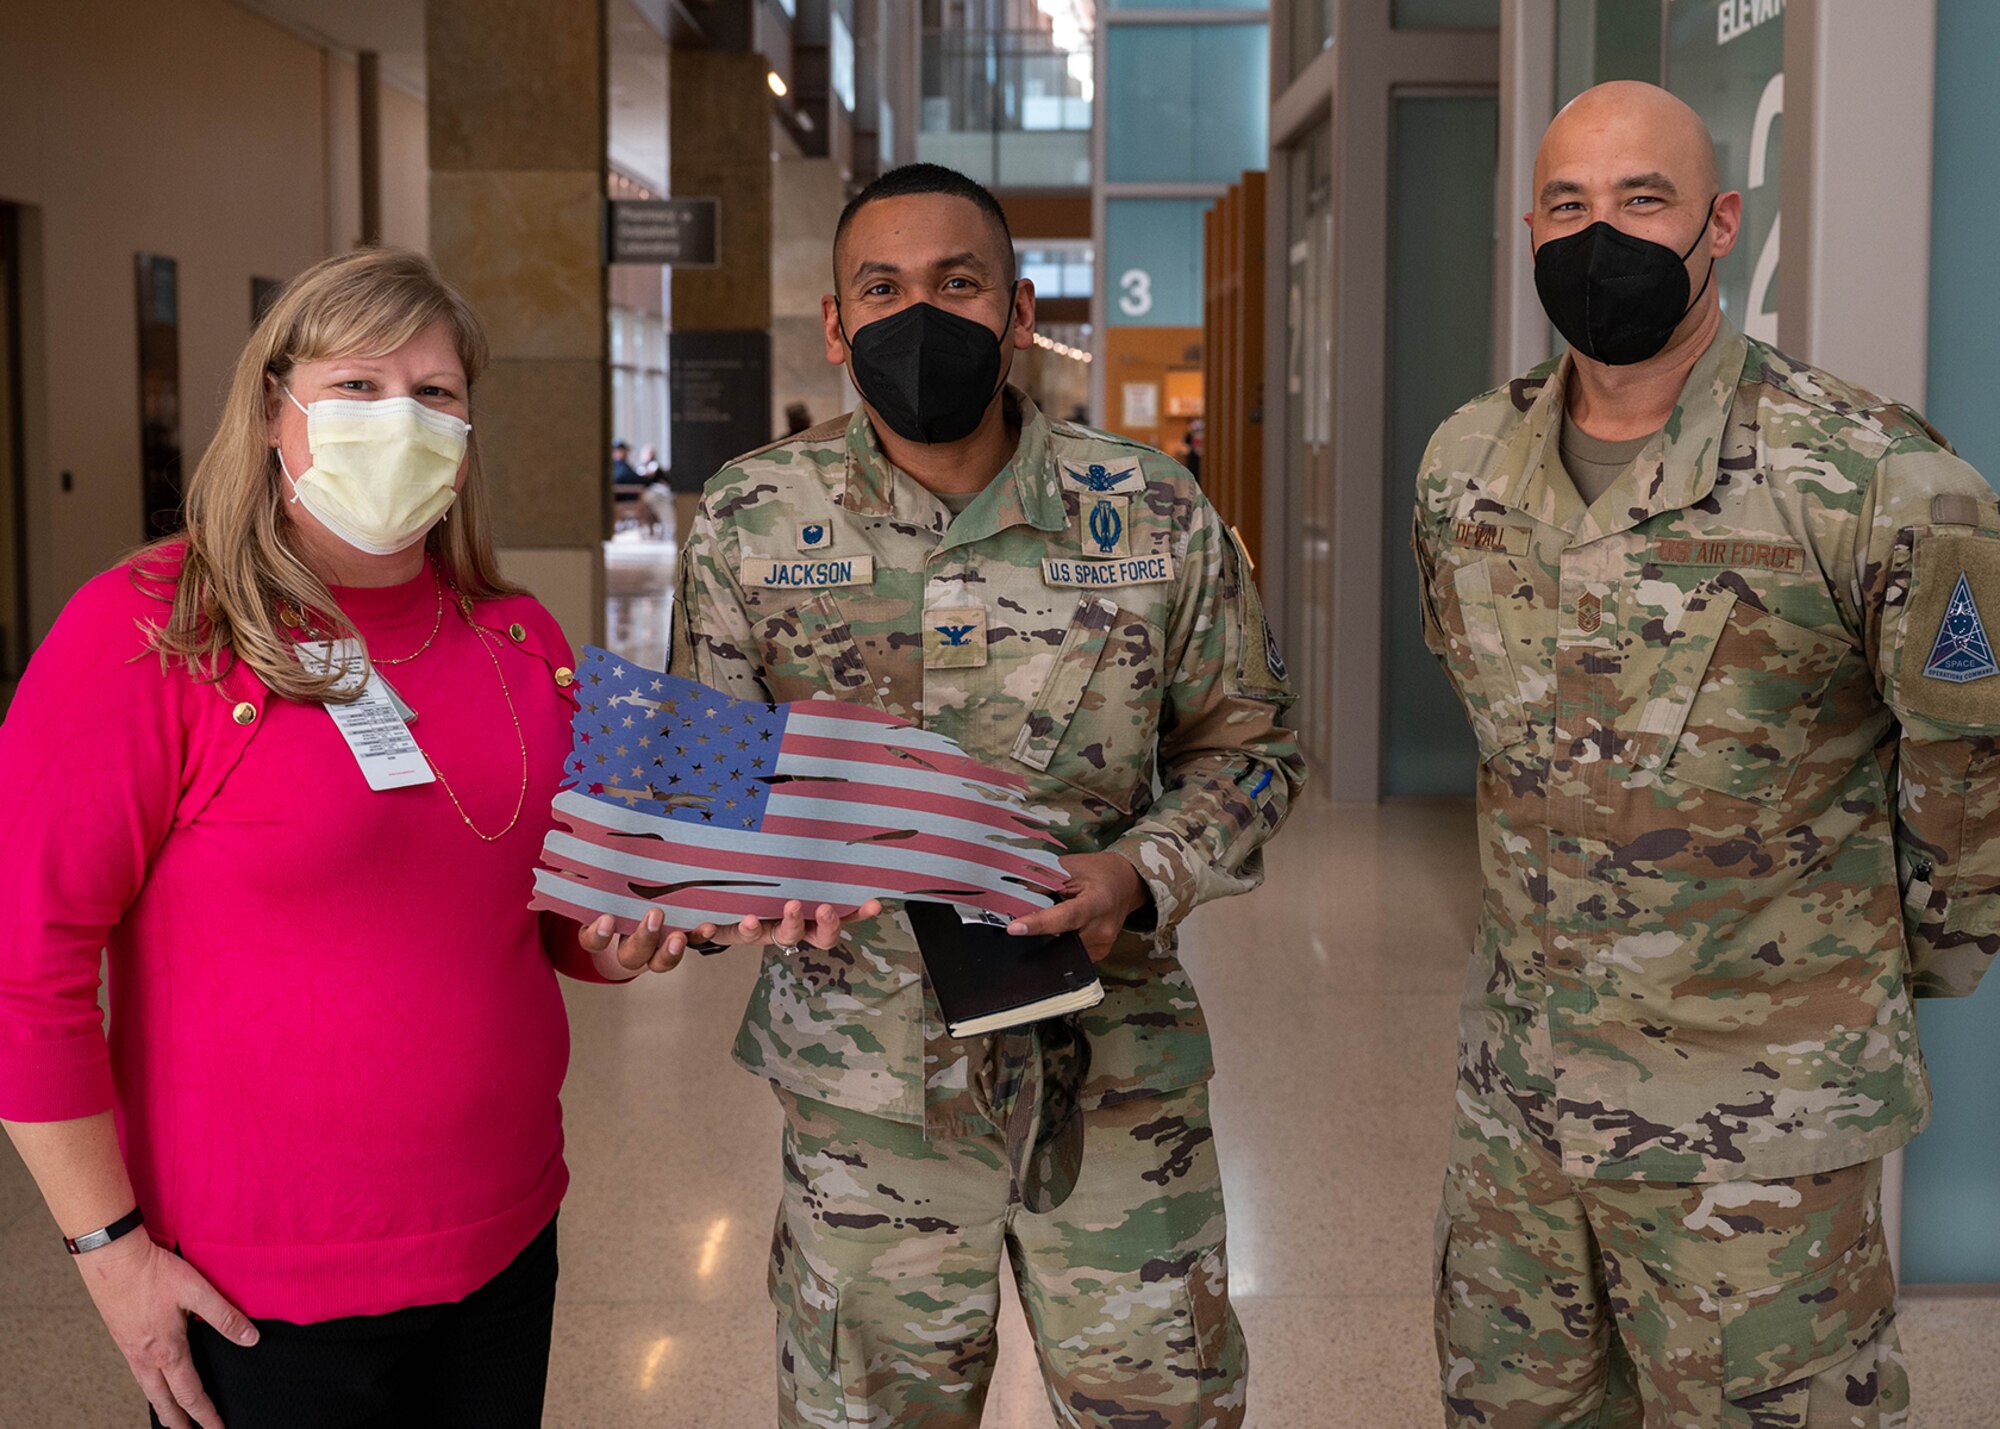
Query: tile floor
1332 995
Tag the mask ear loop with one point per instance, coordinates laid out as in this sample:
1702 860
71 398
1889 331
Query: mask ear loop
1709 276
1013 297
287 390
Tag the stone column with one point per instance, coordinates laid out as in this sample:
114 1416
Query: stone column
806 202
719 349
517 116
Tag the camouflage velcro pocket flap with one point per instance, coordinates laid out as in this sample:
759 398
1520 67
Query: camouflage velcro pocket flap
809 649
808 1309
1076 661
1782 1334
1477 653
1208 1306
1945 670
1762 686
1257 666
1679 644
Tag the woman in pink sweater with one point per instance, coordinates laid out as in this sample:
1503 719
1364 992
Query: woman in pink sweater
336 1040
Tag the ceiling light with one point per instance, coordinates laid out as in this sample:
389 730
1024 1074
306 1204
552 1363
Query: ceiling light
778 86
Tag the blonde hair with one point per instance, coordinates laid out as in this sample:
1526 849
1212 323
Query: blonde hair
238 561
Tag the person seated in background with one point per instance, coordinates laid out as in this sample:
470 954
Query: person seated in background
798 418
623 473
658 499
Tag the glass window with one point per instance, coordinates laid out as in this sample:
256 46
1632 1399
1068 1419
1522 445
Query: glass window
1600 40
1312 31
1189 5
1057 269
1044 272
1309 315
840 58
1153 261
1008 108
1450 14
1734 79
1442 161
1186 103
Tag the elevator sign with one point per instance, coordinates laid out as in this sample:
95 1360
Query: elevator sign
679 232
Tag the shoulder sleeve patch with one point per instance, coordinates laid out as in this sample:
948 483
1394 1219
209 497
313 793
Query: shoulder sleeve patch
1945 670
1260 670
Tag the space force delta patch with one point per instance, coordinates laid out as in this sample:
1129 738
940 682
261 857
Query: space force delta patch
1085 575
1961 653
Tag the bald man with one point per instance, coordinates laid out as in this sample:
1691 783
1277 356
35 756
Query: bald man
1717 620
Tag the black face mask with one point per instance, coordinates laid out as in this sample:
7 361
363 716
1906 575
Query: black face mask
928 373
1614 297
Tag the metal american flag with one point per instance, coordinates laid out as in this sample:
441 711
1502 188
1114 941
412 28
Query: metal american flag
712 808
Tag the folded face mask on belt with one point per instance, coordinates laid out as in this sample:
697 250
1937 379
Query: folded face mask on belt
383 471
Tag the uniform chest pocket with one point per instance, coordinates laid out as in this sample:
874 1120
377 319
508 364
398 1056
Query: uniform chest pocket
1482 669
1094 721
809 649
1753 710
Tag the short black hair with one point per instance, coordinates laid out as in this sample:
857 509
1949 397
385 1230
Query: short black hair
913 179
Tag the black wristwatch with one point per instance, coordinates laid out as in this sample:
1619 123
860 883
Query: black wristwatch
98 1239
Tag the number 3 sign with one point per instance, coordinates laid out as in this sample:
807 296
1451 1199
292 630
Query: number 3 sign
1137 299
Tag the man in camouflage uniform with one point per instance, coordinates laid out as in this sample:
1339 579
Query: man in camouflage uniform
1737 808
1064 604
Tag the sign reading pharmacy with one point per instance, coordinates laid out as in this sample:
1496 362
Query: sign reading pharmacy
682 232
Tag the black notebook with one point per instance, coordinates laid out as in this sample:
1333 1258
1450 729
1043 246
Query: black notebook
987 980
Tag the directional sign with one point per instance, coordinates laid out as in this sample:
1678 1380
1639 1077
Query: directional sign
682 232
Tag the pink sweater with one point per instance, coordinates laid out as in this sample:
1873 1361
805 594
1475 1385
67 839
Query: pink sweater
336 1042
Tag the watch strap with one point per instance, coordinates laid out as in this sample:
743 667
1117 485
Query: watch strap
97 1239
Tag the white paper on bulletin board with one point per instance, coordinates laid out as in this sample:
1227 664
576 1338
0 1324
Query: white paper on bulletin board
1142 404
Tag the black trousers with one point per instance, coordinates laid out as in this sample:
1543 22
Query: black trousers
482 1363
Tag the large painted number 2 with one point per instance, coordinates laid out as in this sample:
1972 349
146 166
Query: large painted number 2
1137 299
1761 321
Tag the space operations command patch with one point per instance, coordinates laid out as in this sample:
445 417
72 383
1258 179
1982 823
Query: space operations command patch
1961 653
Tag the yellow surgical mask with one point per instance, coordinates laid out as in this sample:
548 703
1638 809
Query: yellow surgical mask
382 472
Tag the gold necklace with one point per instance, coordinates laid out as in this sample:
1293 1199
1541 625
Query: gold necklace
520 799
311 629
437 624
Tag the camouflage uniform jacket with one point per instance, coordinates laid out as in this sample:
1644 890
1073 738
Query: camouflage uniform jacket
1088 622
1738 799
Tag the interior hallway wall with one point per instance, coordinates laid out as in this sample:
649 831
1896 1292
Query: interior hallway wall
188 128
406 173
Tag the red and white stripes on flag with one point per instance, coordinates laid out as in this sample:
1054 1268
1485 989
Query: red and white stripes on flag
711 808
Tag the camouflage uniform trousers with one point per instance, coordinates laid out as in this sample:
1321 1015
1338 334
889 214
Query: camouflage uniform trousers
1620 1304
885 1273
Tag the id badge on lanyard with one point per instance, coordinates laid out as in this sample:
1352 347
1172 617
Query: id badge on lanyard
374 725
